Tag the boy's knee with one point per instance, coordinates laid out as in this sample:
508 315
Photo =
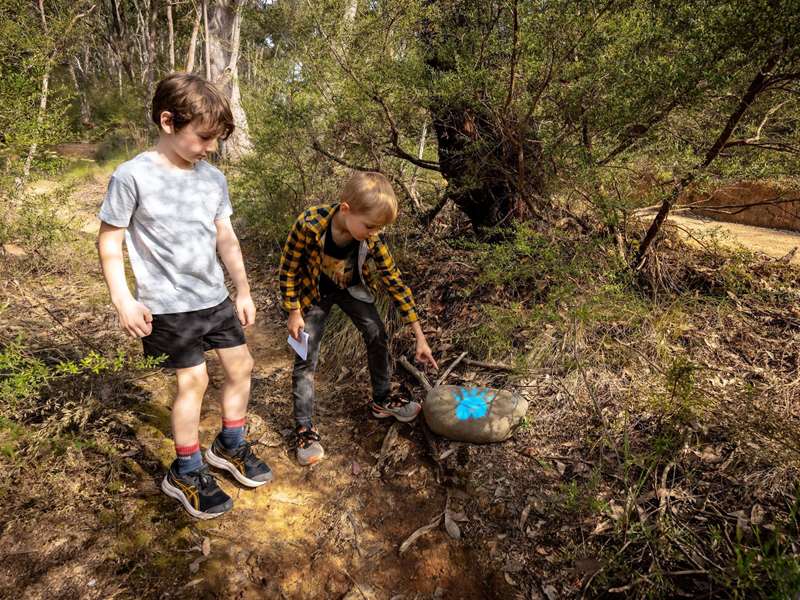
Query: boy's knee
374 331
196 380
243 369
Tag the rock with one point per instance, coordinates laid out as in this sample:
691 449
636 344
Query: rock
472 414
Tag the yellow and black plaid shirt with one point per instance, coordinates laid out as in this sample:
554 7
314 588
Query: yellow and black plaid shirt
302 257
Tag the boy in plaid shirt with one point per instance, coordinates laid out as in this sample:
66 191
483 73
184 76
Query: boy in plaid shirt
324 262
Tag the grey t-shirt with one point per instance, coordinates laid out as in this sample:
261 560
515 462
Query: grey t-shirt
169 214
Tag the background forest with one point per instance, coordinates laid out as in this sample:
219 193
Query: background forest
537 149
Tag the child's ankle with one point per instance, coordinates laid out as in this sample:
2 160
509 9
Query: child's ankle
189 458
232 434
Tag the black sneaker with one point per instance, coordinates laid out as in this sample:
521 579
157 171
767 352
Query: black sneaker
245 466
197 491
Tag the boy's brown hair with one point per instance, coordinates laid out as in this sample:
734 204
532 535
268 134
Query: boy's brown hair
370 192
190 97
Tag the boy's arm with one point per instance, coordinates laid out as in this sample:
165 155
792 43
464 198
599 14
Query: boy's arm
291 256
134 316
230 252
403 298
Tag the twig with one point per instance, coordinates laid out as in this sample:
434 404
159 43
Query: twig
487 365
416 373
452 366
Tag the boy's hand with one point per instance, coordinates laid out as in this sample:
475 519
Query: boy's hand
424 354
296 323
245 310
135 318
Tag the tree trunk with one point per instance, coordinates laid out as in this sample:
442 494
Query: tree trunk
86 111
171 31
192 51
224 28
206 41
26 170
489 157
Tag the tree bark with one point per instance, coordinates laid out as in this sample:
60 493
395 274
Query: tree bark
171 32
206 40
192 51
26 170
224 29
86 110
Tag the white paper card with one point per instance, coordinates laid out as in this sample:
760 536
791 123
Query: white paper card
300 347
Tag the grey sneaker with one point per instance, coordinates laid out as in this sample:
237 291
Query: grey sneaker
401 409
309 450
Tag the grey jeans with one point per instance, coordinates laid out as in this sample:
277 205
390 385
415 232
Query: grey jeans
365 317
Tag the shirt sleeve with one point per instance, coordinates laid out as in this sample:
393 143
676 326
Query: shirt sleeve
224 209
390 276
290 263
119 203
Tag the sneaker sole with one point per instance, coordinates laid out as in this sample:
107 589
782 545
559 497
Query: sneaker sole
221 463
173 492
386 415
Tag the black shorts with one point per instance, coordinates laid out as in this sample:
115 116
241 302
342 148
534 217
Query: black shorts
185 337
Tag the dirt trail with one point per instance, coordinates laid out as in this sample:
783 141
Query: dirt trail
772 242
331 531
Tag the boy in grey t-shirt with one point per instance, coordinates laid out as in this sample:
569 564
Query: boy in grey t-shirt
173 211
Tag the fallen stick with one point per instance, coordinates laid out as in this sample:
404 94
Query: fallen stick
416 373
487 365
449 370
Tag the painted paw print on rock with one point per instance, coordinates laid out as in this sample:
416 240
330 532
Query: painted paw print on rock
472 403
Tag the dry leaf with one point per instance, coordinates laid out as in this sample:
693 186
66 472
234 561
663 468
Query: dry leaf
195 566
524 516
450 525
509 580
356 468
419 533
601 527
757 514
206 548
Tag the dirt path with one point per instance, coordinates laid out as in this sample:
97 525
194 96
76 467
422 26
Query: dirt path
333 529
329 531
772 242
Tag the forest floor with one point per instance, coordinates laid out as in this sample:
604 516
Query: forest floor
94 524
614 487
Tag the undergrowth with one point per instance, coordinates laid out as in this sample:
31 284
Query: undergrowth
674 384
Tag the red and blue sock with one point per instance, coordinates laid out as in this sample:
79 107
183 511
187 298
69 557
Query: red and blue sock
232 435
189 458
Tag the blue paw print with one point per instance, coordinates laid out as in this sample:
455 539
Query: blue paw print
472 403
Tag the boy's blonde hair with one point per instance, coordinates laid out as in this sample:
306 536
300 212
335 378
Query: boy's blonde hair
368 192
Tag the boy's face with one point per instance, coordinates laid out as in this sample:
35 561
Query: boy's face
191 143
361 225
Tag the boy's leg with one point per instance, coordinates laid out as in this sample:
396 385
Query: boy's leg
230 450
192 384
188 479
309 450
367 320
238 366
304 370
